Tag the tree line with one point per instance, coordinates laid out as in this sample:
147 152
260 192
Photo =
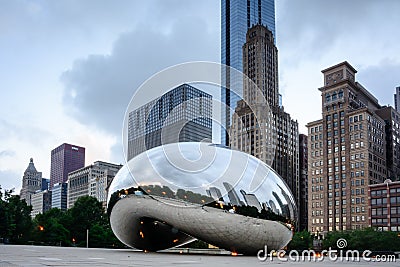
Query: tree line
55 227
68 228
363 239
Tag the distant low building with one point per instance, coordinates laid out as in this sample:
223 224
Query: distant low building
59 196
45 184
92 180
384 206
41 202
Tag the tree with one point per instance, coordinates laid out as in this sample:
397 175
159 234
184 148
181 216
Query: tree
15 222
101 235
49 228
301 241
364 239
86 212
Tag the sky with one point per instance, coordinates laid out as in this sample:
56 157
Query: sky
68 68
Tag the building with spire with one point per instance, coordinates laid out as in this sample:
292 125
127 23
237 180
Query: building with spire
31 182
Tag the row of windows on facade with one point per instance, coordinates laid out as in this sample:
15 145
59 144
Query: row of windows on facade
383 201
343 227
384 191
156 110
384 211
353 165
354 192
360 218
354 182
384 221
356 145
342 210
249 120
333 96
352 119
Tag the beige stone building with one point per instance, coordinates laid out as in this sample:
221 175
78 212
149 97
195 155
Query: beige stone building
31 182
92 181
40 202
346 153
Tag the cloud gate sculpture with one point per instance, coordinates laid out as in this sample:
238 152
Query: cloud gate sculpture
176 193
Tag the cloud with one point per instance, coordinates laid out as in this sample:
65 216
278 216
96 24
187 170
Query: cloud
309 29
99 87
314 35
381 80
10 180
7 153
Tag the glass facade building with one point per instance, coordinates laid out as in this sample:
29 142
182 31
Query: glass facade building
183 114
59 196
237 16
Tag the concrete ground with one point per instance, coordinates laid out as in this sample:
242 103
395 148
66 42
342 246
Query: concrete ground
15 255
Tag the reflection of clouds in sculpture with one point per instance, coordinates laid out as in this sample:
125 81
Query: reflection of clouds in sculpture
232 181
229 172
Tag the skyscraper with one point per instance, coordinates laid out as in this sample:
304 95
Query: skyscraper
303 182
31 182
397 99
183 114
346 153
65 159
260 126
237 16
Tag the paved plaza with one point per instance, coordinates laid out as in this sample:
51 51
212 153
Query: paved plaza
13 255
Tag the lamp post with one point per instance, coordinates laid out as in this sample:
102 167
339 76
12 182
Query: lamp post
87 238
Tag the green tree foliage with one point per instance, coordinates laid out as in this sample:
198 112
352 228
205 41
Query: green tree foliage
86 212
101 235
15 222
56 227
364 239
301 241
49 228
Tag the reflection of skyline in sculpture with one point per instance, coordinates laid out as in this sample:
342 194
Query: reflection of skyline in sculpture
284 207
251 200
289 209
215 193
232 195
150 197
273 207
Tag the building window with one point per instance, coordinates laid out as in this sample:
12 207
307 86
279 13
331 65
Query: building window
327 97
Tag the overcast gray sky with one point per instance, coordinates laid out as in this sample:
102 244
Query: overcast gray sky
68 68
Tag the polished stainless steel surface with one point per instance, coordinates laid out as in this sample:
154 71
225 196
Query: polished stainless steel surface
172 194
